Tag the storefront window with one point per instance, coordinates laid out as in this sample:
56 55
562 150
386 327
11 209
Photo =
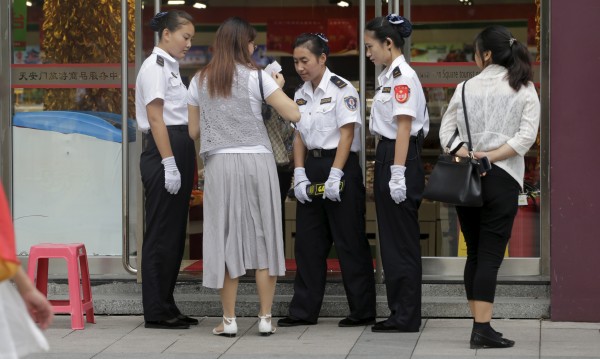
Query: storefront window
67 138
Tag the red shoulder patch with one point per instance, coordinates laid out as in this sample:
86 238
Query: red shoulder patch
402 93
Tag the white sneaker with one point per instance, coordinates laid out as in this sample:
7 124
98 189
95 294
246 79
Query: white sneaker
229 328
264 325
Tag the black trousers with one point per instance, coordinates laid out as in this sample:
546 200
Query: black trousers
487 230
322 221
166 223
399 235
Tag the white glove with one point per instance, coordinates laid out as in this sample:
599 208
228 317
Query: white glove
332 185
300 183
172 175
398 183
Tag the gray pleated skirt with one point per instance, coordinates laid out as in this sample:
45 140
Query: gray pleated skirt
242 217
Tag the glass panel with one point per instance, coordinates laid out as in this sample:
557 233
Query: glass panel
442 54
66 80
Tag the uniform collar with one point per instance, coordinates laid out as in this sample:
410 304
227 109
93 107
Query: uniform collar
157 50
493 70
388 73
307 87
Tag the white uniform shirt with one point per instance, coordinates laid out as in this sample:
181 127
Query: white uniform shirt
400 93
269 86
159 78
497 115
325 110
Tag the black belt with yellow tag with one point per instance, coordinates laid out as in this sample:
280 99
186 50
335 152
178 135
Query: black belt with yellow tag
317 189
319 152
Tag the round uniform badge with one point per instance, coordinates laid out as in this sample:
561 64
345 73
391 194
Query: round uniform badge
402 93
351 103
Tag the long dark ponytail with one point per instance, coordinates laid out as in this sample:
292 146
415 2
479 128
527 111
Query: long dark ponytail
508 52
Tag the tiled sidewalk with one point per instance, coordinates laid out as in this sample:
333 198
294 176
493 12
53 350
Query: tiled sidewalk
126 337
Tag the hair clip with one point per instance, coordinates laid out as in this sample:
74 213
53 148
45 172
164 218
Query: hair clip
511 41
320 35
394 19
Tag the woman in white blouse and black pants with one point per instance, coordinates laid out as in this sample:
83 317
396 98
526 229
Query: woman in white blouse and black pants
504 113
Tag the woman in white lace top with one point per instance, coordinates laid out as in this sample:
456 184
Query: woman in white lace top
504 113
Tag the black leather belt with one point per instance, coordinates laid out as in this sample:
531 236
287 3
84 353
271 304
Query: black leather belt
412 138
319 152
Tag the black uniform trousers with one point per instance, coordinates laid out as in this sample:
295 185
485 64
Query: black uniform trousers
166 223
317 224
487 230
399 234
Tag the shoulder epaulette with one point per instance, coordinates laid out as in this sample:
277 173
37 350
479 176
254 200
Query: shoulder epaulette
160 60
397 72
338 82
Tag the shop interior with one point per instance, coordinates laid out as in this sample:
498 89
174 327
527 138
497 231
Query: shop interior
443 32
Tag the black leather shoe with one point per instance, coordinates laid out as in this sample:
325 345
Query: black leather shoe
349 322
293 322
385 327
188 320
167 324
480 341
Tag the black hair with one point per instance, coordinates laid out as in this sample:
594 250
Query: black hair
315 43
393 26
171 20
506 51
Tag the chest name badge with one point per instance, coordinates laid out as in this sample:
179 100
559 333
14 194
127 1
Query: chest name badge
351 103
160 61
386 90
300 102
325 100
402 93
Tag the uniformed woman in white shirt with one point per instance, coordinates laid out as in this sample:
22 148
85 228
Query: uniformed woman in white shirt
399 118
503 111
167 167
325 151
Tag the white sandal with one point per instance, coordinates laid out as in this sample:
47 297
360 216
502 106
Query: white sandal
264 325
229 328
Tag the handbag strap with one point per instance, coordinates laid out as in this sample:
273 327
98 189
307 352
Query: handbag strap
262 94
470 143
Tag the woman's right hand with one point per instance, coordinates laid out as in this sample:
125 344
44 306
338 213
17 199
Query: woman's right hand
279 79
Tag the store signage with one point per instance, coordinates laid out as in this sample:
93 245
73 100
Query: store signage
70 76
342 35
449 74
19 21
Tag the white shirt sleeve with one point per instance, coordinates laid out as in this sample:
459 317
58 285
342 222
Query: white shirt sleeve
153 83
449 121
192 93
409 106
522 141
348 107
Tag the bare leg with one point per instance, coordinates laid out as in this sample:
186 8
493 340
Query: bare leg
266 291
482 311
228 298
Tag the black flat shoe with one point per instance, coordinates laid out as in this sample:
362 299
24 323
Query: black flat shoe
187 319
480 341
385 327
349 322
292 322
167 324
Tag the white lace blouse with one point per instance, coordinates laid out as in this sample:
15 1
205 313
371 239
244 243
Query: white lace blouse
497 115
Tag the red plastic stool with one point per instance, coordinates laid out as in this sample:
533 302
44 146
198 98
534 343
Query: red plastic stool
76 257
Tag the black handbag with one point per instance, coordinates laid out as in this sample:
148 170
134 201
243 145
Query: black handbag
456 180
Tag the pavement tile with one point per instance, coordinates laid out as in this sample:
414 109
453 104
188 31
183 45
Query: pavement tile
574 342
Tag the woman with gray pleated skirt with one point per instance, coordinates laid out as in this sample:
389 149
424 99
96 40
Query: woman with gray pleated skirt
242 205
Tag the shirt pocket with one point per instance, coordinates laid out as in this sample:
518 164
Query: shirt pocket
325 117
384 106
176 91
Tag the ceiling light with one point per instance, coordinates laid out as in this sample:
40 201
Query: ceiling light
176 2
28 3
343 4
200 5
